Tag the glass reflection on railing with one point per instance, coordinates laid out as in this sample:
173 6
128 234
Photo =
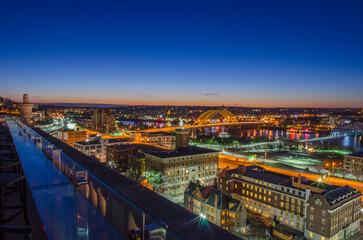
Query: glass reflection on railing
130 220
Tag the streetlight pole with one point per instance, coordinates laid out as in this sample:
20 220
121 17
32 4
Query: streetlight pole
333 168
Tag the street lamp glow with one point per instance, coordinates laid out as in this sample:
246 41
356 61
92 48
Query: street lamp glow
202 216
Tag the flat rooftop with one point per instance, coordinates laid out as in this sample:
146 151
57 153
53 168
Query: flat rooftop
257 172
356 154
180 152
139 146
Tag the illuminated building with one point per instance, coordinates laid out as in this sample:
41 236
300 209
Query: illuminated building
182 165
354 161
313 208
97 148
163 139
104 121
123 155
215 206
71 136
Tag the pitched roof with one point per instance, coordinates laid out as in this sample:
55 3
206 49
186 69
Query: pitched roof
224 202
339 194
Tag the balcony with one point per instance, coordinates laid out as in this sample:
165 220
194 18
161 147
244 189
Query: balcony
77 197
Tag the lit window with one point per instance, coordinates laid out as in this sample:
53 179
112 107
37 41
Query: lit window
311 235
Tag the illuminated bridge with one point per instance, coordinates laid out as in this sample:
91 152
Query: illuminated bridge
205 120
206 117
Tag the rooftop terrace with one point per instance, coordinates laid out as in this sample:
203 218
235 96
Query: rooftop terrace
78 196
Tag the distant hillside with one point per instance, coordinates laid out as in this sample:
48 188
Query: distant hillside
92 105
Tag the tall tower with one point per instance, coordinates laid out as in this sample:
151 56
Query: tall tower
182 137
26 113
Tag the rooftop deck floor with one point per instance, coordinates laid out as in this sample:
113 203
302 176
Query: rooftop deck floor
65 213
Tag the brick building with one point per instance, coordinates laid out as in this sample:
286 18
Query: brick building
71 136
182 165
215 206
97 148
287 201
119 156
354 161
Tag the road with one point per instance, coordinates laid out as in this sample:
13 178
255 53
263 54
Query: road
227 161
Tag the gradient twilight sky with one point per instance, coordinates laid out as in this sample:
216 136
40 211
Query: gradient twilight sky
249 53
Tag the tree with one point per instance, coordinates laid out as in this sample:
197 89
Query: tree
343 172
319 168
131 174
155 179
357 174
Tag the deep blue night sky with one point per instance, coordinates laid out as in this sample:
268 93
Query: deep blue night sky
249 53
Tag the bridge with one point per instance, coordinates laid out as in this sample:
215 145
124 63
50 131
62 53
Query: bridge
170 129
205 120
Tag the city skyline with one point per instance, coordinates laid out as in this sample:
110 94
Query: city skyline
249 54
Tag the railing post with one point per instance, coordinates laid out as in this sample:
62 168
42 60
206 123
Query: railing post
143 226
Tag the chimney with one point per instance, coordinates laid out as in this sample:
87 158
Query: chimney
299 181
216 200
182 137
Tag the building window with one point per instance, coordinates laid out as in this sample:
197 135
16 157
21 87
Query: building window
292 223
312 209
312 217
323 221
311 235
